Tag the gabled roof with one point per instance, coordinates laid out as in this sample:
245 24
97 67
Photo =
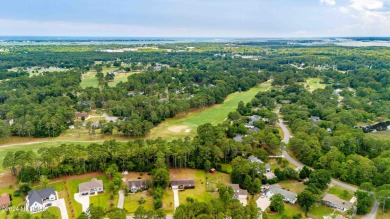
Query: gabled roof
39 195
87 186
285 193
337 201
183 182
238 138
267 166
255 159
238 191
138 183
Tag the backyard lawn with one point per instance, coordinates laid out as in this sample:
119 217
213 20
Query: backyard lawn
292 185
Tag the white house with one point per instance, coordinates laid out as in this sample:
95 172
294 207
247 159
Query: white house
38 200
91 188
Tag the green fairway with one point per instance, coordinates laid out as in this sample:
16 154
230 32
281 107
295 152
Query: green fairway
314 83
181 127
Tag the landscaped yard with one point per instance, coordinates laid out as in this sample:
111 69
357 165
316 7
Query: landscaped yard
54 210
131 202
186 125
292 185
340 192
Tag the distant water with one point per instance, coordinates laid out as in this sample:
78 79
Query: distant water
53 40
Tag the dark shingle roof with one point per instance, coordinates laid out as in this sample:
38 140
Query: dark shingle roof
39 195
184 182
136 183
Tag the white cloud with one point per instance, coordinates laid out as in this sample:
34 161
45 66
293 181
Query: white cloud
328 2
361 5
344 10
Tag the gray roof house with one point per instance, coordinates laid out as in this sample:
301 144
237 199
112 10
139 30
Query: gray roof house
255 159
335 202
137 185
36 200
91 187
183 183
240 194
315 118
238 138
287 195
268 168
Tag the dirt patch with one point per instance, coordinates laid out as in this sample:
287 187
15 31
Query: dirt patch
178 128
76 177
176 174
136 175
7 179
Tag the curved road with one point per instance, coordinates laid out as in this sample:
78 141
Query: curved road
286 139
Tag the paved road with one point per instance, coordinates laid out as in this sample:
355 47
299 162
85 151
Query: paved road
286 139
121 198
374 211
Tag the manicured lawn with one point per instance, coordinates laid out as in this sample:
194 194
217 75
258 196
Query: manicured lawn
314 84
292 185
54 210
318 211
89 80
382 135
181 127
274 164
339 192
121 77
168 201
289 210
131 202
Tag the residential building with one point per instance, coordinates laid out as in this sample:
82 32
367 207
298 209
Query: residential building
268 168
255 159
240 194
288 196
315 118
5 201
137 185
91 188
336 202
38 200
238 138
183 184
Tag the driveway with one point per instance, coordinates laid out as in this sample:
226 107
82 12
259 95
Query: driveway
121 198
374 210
176 197
263 203
83 200
60 203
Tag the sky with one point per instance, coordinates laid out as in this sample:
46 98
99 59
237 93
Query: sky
195 18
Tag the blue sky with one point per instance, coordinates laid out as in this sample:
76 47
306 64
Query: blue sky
195 18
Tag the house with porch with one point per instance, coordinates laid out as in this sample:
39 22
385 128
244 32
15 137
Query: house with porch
92 187
38 200
288 196
137 185
336 202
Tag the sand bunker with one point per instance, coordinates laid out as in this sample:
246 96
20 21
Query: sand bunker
178 128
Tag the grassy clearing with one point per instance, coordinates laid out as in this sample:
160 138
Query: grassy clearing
339 192
89 79
121 77
131 202
54 210
319 211
214 115
313 84
383 135
292 185
289 210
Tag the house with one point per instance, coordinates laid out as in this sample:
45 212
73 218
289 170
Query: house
335 202
238 138
5 201
240 194
137 185
183 184
38 200
81 115
288 196
91 188
254 159
268 168
286 101
315 118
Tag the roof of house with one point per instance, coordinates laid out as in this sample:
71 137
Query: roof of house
83 114
285 193
337 201
39 195
182 182
4 199
138 183
267 166
238 138
255 159
87 186
238 191
255 118
315 118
